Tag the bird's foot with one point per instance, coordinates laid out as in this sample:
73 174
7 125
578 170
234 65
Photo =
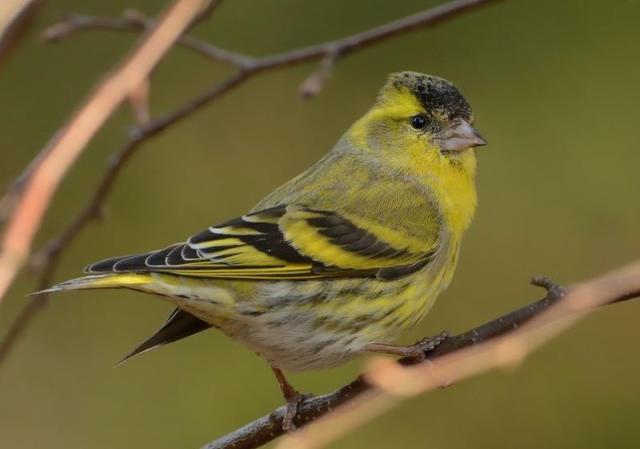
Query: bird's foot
422 347
292 396
293 404
417 351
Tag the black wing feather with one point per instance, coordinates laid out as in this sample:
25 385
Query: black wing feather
349 237
179 325
213 249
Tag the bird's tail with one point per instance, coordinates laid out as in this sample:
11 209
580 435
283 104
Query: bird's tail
120 280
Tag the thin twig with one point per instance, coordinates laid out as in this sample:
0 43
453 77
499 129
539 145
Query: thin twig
48 257
15 18
314 84
62 151
330 49
204 14
135 21
268 427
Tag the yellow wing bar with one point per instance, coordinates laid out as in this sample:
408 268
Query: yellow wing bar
285 242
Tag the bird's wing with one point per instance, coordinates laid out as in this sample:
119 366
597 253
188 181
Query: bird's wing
286 242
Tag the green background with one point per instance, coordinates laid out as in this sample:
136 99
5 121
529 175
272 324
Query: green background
554 86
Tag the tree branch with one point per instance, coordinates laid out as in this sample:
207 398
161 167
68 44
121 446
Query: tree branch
47 259
135 21
390 382
330 50
15 18
268 427
69 142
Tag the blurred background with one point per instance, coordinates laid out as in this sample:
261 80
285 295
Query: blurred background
554 86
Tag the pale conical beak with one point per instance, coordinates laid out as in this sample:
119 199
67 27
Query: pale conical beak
460 137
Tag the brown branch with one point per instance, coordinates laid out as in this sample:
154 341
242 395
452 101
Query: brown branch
268 427
64 148
314 84
135 21
328 51
390 383
48 257
15 18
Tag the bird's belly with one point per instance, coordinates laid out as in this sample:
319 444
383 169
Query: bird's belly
317 324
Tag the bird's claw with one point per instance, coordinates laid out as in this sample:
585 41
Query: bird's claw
422 347
293 404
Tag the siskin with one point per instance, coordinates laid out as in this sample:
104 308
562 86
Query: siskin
339 260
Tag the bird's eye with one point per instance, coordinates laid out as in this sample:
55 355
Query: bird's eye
418 122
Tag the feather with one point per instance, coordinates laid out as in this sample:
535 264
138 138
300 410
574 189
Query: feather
285 242
179 325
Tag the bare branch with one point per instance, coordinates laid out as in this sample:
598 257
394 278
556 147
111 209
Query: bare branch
314 84
135 21
47 258
67 144
139 101
15 16
331 50
361 391
203 15
390 382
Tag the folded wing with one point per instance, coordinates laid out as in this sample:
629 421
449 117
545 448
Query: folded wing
286 242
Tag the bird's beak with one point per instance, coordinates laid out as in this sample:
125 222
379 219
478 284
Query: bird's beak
460 137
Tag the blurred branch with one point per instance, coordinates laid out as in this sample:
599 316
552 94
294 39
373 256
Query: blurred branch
47 258
328 52
28 206
135 21
247 66
500 342
391 384
15 17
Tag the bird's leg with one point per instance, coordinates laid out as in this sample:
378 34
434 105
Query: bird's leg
417 351
293 398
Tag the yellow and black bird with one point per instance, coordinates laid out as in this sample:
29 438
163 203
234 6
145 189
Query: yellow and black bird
339 260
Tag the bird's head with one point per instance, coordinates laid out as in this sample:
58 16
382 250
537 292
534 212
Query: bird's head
418 119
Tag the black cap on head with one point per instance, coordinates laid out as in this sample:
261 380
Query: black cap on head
434 93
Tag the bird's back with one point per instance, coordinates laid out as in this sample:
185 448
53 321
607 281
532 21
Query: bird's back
350 181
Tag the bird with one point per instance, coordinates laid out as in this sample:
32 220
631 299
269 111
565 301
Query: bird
340 260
